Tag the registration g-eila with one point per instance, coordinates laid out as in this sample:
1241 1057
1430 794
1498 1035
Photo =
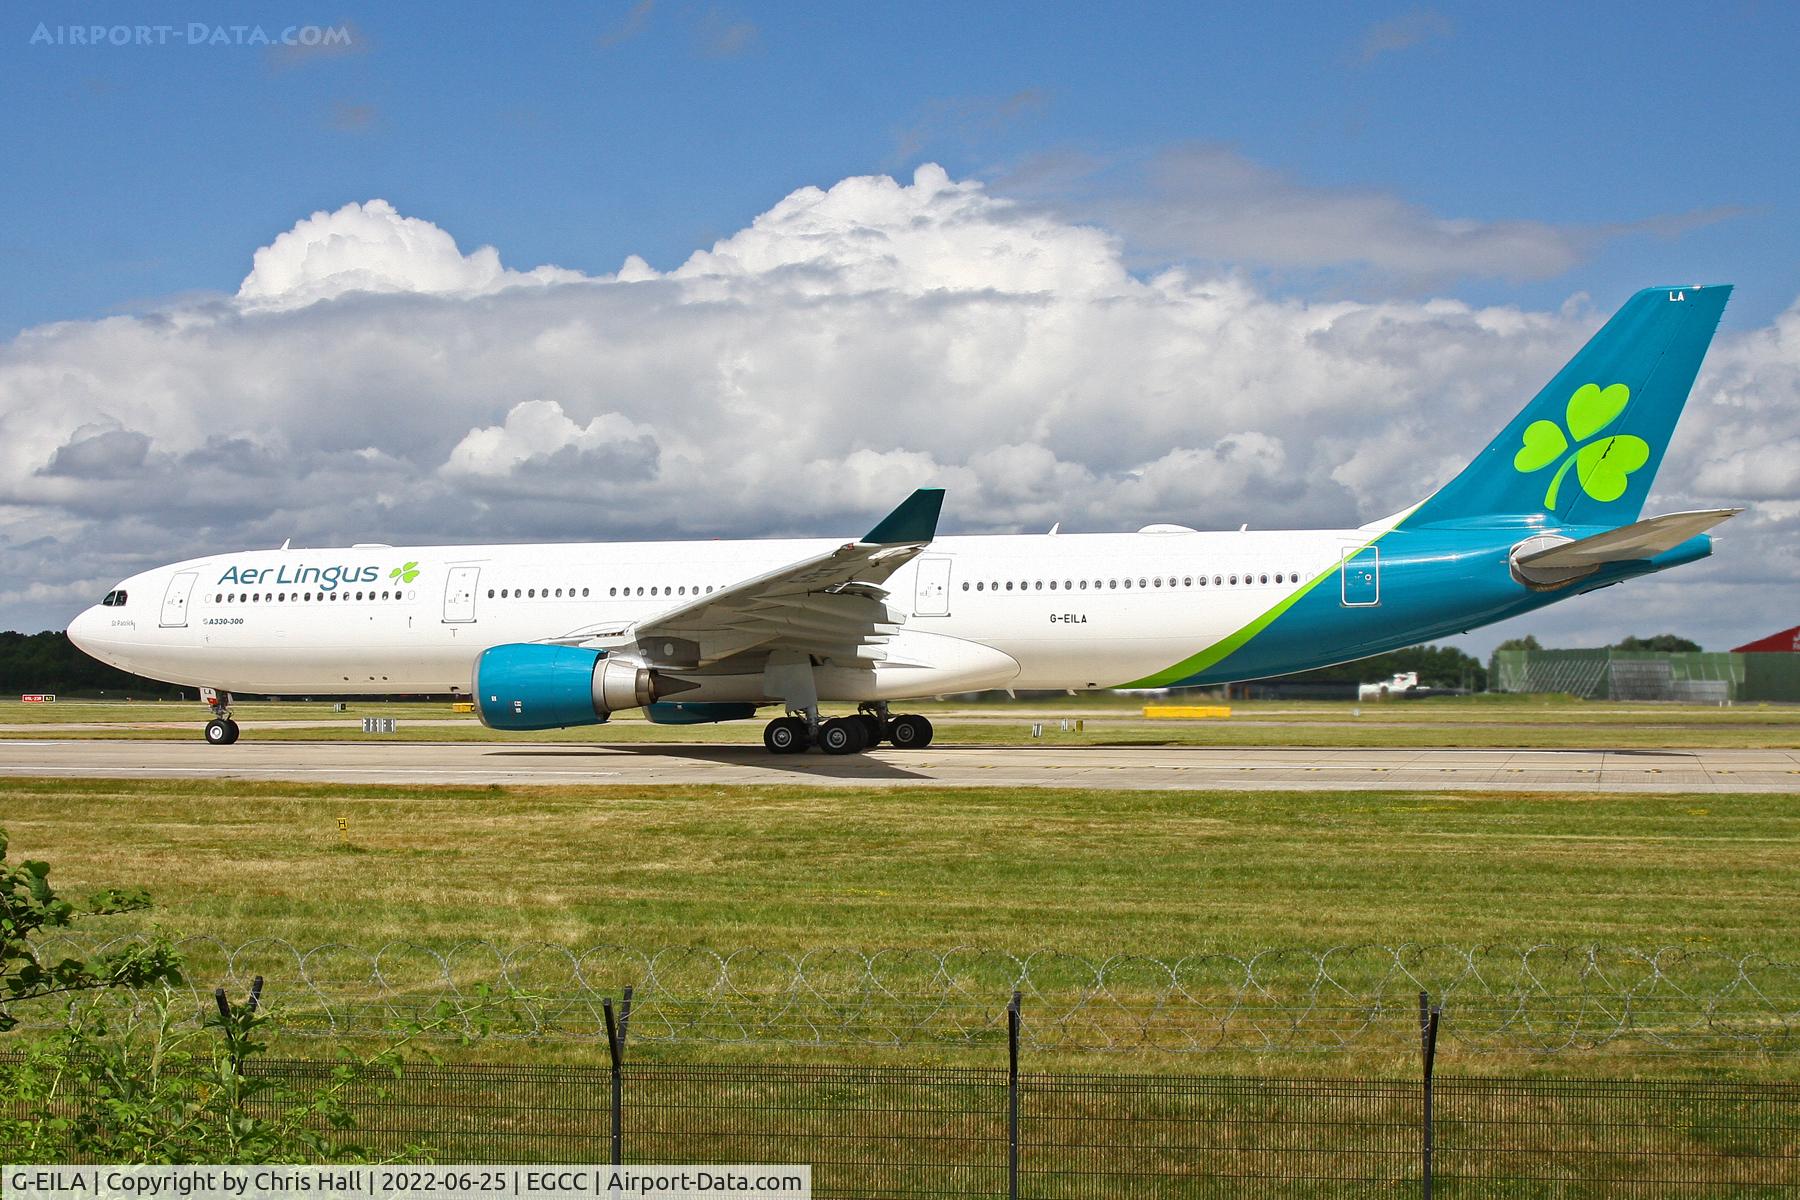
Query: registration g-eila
546 636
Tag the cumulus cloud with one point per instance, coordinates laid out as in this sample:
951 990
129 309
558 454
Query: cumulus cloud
371 382
99 453
870 234
371 248
538 445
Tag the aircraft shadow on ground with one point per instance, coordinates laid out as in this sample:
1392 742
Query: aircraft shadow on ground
848 766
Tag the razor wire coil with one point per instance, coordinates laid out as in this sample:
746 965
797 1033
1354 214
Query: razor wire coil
1542 998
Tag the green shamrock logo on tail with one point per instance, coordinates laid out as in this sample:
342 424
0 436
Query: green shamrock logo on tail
405 574
1604 465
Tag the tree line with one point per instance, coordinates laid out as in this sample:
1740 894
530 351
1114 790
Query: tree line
49 662
1448 667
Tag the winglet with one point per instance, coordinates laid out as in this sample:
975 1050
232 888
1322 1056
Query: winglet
914 521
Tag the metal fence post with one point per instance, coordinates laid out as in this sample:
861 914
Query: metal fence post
255 999
1428 1032
615 1050
1012 1097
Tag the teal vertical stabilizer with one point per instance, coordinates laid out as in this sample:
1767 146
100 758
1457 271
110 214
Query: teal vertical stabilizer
1585 451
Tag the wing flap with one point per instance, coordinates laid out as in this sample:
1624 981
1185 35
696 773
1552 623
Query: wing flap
830 605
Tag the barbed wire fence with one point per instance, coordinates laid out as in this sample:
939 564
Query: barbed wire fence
1543 998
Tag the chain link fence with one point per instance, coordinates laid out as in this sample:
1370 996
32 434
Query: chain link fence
908 1131
1543 999
1692 678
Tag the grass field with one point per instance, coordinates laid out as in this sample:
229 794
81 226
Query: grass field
1090 873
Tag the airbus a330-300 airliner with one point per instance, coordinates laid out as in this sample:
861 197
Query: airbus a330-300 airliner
548 636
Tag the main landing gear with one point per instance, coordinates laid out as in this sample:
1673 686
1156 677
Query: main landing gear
868 728
221 730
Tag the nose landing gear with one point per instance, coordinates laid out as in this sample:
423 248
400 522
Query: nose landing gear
221 730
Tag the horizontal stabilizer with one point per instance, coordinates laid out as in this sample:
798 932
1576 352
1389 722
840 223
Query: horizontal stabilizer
1629 543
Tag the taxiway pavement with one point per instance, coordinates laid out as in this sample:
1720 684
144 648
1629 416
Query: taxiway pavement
1267 768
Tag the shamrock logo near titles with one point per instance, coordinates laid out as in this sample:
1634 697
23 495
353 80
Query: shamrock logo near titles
406 573
1603 466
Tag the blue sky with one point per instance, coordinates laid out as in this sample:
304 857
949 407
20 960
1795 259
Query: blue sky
1288 265
577 134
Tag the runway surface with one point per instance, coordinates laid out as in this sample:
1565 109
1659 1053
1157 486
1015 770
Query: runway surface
1714 771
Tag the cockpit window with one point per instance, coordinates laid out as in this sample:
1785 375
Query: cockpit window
114 599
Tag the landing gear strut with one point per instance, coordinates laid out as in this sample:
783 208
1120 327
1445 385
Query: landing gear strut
221 730
905 732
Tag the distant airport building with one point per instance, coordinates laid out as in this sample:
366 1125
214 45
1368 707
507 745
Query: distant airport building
1785 642
1772 666
1768 669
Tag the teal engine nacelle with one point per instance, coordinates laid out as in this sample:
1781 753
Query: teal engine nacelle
526 685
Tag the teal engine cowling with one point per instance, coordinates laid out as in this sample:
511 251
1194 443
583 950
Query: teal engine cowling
526 685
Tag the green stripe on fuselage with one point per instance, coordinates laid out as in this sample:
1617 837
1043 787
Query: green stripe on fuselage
1231 643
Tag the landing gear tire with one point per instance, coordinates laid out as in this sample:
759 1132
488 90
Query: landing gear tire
221 731
785 735
874 730
909 733
845 735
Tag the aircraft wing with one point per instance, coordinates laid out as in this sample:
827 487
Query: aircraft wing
1640 540
830 604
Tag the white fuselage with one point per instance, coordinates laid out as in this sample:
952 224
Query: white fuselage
1043 611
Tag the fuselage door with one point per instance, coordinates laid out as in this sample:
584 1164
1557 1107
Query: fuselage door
459 594
933 596
1361 577
175 600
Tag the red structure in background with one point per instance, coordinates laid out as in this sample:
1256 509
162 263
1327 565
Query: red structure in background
1785 642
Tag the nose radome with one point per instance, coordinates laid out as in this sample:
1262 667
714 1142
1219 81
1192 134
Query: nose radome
82 630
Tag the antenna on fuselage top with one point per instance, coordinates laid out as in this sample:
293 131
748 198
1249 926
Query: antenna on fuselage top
285 541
